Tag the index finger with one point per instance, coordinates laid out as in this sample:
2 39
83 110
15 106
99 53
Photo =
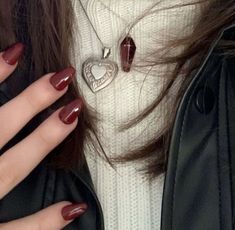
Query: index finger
9 59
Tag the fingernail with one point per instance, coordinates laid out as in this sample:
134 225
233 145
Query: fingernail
61 79
13 53
72 211
71 111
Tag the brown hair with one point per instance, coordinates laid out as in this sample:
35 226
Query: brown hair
46 28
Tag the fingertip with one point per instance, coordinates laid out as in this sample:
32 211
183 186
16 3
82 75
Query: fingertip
73 211
13 53
71 111
9 59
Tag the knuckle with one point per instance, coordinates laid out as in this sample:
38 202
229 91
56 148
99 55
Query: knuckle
30 102
39 95
45 139
50 135
7 180
35 221
39 225
4 227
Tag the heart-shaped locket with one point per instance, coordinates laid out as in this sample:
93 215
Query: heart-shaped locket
98 73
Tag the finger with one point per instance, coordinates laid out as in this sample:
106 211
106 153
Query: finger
9 59
54 217
17 162
39 95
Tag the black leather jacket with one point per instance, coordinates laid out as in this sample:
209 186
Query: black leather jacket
199 183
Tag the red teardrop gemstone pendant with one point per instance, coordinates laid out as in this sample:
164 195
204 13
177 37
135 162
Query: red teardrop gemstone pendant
127 50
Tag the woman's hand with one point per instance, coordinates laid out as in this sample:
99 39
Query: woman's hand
17 162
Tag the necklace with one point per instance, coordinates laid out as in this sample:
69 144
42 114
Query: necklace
100 72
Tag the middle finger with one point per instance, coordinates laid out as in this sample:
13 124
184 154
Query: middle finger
18 161
39 95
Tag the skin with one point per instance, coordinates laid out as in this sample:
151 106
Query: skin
40 142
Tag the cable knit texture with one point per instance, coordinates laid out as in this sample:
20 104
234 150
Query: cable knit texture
129 200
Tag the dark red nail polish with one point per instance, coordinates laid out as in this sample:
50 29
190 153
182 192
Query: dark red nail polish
13 53
71 111
72 211
61 79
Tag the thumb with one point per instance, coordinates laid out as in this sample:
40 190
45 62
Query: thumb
54 217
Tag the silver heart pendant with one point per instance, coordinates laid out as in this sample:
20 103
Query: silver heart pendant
98 73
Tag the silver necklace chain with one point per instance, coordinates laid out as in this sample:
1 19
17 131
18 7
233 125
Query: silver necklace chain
129 26
84 10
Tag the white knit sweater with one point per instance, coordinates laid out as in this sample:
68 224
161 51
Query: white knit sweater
129 200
